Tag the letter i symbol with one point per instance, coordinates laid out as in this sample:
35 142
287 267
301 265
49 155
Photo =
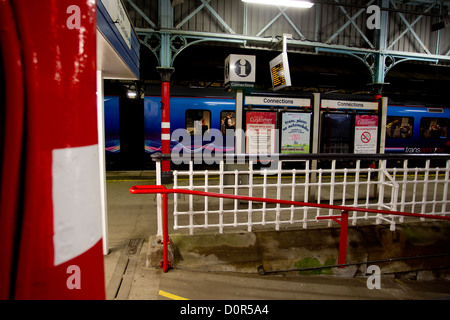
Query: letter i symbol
242 64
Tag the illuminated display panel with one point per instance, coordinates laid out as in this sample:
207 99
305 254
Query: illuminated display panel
279 70
278 78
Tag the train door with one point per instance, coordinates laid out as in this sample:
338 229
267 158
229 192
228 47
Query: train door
132 133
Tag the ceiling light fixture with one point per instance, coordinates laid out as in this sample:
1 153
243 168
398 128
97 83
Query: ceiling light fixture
283 3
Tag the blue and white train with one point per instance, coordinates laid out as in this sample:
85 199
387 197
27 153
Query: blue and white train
412 129
409 129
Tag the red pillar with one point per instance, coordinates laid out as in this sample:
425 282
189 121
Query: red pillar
165 74
11 122
59 252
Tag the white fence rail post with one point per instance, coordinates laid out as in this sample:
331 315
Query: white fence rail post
158 201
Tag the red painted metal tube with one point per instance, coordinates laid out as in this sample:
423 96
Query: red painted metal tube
343 222
11 145
52 247
341 219
165 118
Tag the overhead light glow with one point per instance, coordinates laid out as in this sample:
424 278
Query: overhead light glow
283 3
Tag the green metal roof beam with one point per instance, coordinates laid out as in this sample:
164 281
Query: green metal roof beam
224 37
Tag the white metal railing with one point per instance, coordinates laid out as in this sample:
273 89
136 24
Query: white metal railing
422 190
315 178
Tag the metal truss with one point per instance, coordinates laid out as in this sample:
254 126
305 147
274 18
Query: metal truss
409 27
167 40
379 63
205 4
176 42
351 20
281 13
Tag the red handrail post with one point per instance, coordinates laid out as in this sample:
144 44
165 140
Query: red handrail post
342 220
343 238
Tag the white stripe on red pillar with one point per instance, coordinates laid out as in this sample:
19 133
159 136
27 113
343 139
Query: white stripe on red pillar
76 201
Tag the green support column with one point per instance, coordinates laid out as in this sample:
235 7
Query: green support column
379 68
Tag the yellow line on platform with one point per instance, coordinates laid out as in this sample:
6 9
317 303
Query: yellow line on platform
170 295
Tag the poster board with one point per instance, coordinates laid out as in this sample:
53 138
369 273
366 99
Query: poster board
366 134
260 132
295 132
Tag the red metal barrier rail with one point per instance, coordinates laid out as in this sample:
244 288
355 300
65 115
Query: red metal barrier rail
342 219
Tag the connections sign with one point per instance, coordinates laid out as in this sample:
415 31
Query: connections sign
277 101
340 104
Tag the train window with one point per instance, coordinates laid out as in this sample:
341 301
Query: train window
399 127
435 110
434 128
198 121
223 118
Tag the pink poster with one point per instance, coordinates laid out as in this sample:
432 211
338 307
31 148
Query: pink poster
260 132
366 134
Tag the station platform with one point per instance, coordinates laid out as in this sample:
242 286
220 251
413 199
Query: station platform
210 266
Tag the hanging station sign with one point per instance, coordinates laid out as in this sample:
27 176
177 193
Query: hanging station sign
277 101
279 72
342 104
240 71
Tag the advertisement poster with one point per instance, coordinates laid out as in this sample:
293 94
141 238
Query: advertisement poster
260 132
366 134
295 132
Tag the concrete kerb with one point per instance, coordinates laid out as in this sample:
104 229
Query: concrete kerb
244 252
